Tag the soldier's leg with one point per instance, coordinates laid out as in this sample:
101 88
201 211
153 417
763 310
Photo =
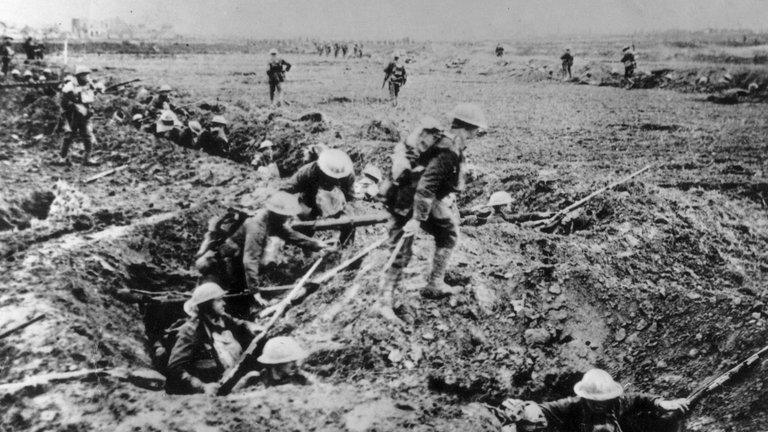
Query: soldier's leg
88 138
68 137
271 91
391 279
443 224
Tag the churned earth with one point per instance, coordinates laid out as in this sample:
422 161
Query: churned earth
660 281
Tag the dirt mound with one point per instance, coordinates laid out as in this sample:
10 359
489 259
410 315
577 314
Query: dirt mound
380 130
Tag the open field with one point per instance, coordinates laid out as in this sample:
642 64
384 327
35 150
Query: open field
661 281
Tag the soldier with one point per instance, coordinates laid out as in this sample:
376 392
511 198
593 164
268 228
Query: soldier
7 54
233 257
137 120
600 405
493 212
336 49
213 139
264 156
499 50
344 49
160 102
276 69
76 100
396 74
168 126
28 76
324 187
38 51
29 48
367 188
280 357
208 344
16 75
426 174
629 62
567 60
189 138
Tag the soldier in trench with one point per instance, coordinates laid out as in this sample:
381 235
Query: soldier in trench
601 405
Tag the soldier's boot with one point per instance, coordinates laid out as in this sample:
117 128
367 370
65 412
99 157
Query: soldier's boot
436 287
385 306
88 140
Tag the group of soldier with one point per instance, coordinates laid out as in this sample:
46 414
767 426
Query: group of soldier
420 195
339 48
32 50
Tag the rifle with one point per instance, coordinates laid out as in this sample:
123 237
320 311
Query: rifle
342 222
232 375
718 382
115 86
385 82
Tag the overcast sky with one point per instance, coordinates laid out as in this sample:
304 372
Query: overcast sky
421 19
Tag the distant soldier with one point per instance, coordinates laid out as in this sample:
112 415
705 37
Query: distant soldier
76 100
29 48
168 126
499 50
16 75
213 139
276 69
344 49
600 404
190 136
628 59
325 187
38 51
426 175
328 49
28 76
397 76
336 49
265 154
567 60
7 54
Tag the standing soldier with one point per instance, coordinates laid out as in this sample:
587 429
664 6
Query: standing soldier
396 74
344 49
76 100
426 174
629 62
499 50
567 60
7 54
336 49
276 70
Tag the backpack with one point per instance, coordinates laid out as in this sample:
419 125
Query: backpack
219 230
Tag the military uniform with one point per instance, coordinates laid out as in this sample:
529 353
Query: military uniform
204 351
396 73
7 55
236 264
309 180
425 191
567 60
276 69
629 64
631 412
76 101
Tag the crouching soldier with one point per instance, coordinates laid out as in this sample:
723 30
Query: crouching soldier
600 405
426 174
232 252
76 100
324 188
281 358
208 344
213 140
493 212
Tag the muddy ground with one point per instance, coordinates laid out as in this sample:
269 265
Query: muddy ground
661 280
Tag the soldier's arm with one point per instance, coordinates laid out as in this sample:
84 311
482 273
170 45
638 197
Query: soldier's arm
347 186
558 413
641 402
437 171
252 251
294 237
299 181
287 66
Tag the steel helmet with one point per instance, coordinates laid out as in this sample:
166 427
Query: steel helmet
273 52
167 117
396 54
27 73
137 117
47 71
266 144
82 70
195 127
335 163
203 293
499 198
281 349
597 385
470 113
284 204
15 72
165 88
373 172
219 120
